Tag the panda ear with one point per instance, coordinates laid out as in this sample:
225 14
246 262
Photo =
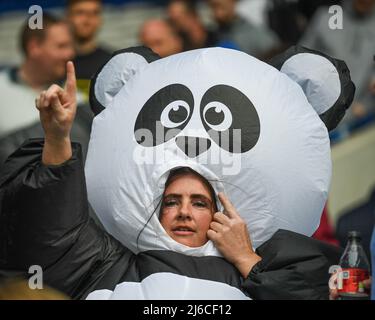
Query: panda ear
325 81
114 74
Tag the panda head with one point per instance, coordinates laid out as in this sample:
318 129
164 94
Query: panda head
255 131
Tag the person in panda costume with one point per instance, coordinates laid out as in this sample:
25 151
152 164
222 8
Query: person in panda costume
169 136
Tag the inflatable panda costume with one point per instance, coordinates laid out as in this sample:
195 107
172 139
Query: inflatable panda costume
255 131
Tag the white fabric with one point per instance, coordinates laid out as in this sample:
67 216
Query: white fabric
317 76
282 182
170 286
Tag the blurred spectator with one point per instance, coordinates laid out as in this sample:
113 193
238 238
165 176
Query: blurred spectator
46 52
308 7
184 16
355 44
160 37
287 18
239 32
85 17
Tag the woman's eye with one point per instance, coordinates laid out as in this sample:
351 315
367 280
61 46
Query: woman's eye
170 203
200 204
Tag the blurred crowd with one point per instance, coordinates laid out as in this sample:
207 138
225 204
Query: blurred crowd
258 27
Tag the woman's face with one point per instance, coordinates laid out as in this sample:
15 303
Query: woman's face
187 210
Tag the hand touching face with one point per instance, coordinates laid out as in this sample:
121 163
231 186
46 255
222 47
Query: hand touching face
229 233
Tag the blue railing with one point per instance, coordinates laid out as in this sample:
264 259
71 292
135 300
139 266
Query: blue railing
11 5
343 132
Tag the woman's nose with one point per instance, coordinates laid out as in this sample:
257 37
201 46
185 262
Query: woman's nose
184 211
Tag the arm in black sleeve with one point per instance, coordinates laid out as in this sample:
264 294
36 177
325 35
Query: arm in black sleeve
293 266
44 221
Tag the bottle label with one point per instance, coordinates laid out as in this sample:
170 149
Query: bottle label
352 279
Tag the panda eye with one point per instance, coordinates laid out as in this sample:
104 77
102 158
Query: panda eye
217 116
230 118
167 111
175 114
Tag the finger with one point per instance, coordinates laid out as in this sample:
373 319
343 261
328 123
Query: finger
221 217
70 85
64 98
53 89
333 294
229 209
215 226
42 98
212 235
51 92
55 103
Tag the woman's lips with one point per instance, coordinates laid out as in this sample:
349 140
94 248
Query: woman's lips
183 231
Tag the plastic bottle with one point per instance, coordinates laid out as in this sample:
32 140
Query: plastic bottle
355 269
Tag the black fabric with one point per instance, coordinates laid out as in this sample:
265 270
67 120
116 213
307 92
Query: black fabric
80 133
44 221
150 262
245 119
335 113
293 266
87 64
149 118
145 52
208 268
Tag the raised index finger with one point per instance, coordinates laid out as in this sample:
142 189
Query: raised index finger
228 206
70 85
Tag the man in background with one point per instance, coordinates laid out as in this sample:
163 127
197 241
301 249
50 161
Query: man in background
183 15
45 52
85 18
160 37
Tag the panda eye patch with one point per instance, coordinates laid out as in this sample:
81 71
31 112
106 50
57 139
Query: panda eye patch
217 116
168 110
230 118
175 114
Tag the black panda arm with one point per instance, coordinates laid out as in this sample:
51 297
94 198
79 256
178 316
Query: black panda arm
293 266
44 221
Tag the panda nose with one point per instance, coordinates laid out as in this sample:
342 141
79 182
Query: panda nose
193 146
